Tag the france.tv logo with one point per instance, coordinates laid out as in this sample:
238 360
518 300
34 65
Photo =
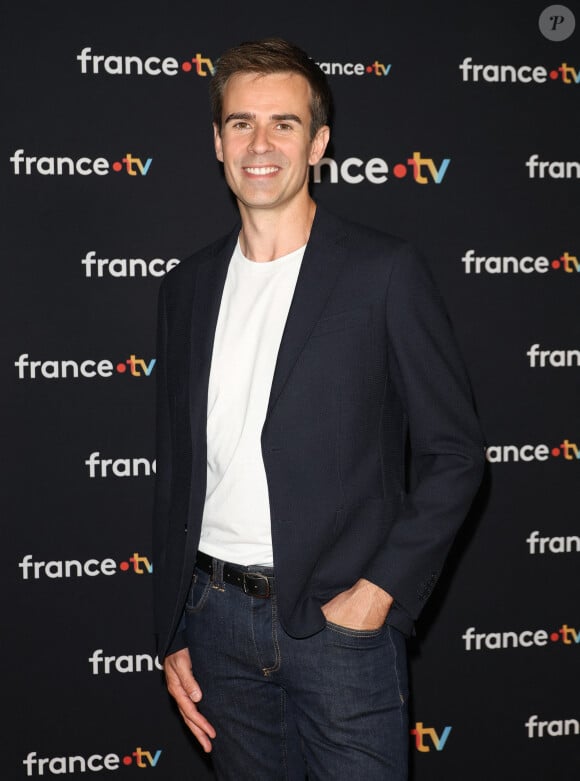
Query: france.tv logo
375 68
87 369
78 764
131 65
353 170
56 569
527 264
514 74
48 165
427 737
566 450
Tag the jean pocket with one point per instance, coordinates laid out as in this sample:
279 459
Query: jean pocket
198 593
348 632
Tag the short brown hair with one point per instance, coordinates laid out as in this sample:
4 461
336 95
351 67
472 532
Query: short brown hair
272 55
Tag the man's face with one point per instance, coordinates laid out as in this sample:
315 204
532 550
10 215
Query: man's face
265 142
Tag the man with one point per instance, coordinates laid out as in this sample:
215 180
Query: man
297 357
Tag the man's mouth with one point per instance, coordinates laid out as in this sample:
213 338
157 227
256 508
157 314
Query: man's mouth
262 170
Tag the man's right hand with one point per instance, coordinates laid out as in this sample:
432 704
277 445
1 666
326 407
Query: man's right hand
186 692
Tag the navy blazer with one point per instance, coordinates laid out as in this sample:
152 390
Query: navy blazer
368 382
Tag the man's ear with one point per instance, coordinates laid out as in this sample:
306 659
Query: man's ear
217 142
318 144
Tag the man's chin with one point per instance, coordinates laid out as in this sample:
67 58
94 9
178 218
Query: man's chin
258 203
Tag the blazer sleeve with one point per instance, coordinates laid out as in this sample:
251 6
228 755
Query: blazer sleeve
446 444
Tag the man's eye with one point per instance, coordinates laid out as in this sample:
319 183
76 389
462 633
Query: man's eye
241 125
284 126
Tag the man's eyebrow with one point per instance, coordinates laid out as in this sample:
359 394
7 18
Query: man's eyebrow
276 117
286 117
239 115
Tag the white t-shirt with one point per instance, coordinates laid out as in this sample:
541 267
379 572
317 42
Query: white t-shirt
253 311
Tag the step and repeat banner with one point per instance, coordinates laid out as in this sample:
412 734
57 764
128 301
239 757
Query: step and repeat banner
456 126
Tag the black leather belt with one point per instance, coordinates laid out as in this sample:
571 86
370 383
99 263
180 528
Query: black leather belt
255 584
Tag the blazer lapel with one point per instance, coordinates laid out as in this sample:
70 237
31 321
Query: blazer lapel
323 260
210 280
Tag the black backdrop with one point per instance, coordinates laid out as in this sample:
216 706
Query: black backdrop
495 660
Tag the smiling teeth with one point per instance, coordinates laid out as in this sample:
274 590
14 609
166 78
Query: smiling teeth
261 171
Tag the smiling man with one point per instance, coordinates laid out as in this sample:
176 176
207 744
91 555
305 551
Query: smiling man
267 152
299 357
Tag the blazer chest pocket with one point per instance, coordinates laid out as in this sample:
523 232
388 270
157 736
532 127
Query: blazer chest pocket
341 321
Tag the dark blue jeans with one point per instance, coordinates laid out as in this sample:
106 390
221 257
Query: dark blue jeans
328 707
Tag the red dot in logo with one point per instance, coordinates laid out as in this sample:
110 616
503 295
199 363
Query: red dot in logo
117 166
124 565
553 75
554 637
556 452
121 367
127 760
556 263
369 69
400 170
186 66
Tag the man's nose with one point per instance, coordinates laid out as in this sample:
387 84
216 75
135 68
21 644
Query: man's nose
261 141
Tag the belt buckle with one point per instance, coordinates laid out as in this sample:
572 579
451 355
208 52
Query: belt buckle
249 576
